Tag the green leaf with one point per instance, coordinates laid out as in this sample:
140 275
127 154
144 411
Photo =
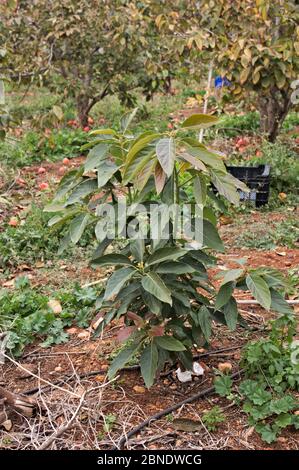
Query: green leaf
199 121
174 267
266 432
105 171
164 254
82 190
232 275
127 118
211 238
224 294
200 190
205 322
78 226
117 281
259 289
95 156
169 343
140 163
152 302
136 148
149 364
209 158
223 385
165 150
153 284
111 260
123 358
279 304
230 311
137 249
225 188
110 132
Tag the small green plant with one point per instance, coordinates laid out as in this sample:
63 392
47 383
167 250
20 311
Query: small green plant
271 367
109 419
212 418
26 315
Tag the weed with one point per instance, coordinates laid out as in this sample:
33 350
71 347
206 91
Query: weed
284 233
36 147
212 418
26 315
272 371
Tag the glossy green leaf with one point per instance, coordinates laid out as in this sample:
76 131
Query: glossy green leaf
169 343
153 284
117 280
78 226
259 289
199 121
149 364
165 149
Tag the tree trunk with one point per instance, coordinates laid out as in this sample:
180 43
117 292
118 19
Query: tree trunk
273 108
83 108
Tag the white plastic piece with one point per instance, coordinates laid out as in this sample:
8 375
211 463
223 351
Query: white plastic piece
198 369
185 376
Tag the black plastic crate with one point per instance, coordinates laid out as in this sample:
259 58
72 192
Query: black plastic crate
257 178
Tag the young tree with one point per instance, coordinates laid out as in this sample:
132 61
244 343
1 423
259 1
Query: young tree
95 47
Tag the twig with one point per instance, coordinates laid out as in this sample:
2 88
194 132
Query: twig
65 427
169 410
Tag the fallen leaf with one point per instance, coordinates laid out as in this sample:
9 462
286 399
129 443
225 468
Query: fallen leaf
225 367
281 253
282 196
186 424
7 425
139 389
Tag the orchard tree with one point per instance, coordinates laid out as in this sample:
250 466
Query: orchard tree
254 43
94 47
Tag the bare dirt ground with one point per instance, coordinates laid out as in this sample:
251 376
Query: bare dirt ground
75 410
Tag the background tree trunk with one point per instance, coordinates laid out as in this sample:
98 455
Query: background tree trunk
83 108
273 109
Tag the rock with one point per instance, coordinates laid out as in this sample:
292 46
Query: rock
22 374
58 368
139 389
